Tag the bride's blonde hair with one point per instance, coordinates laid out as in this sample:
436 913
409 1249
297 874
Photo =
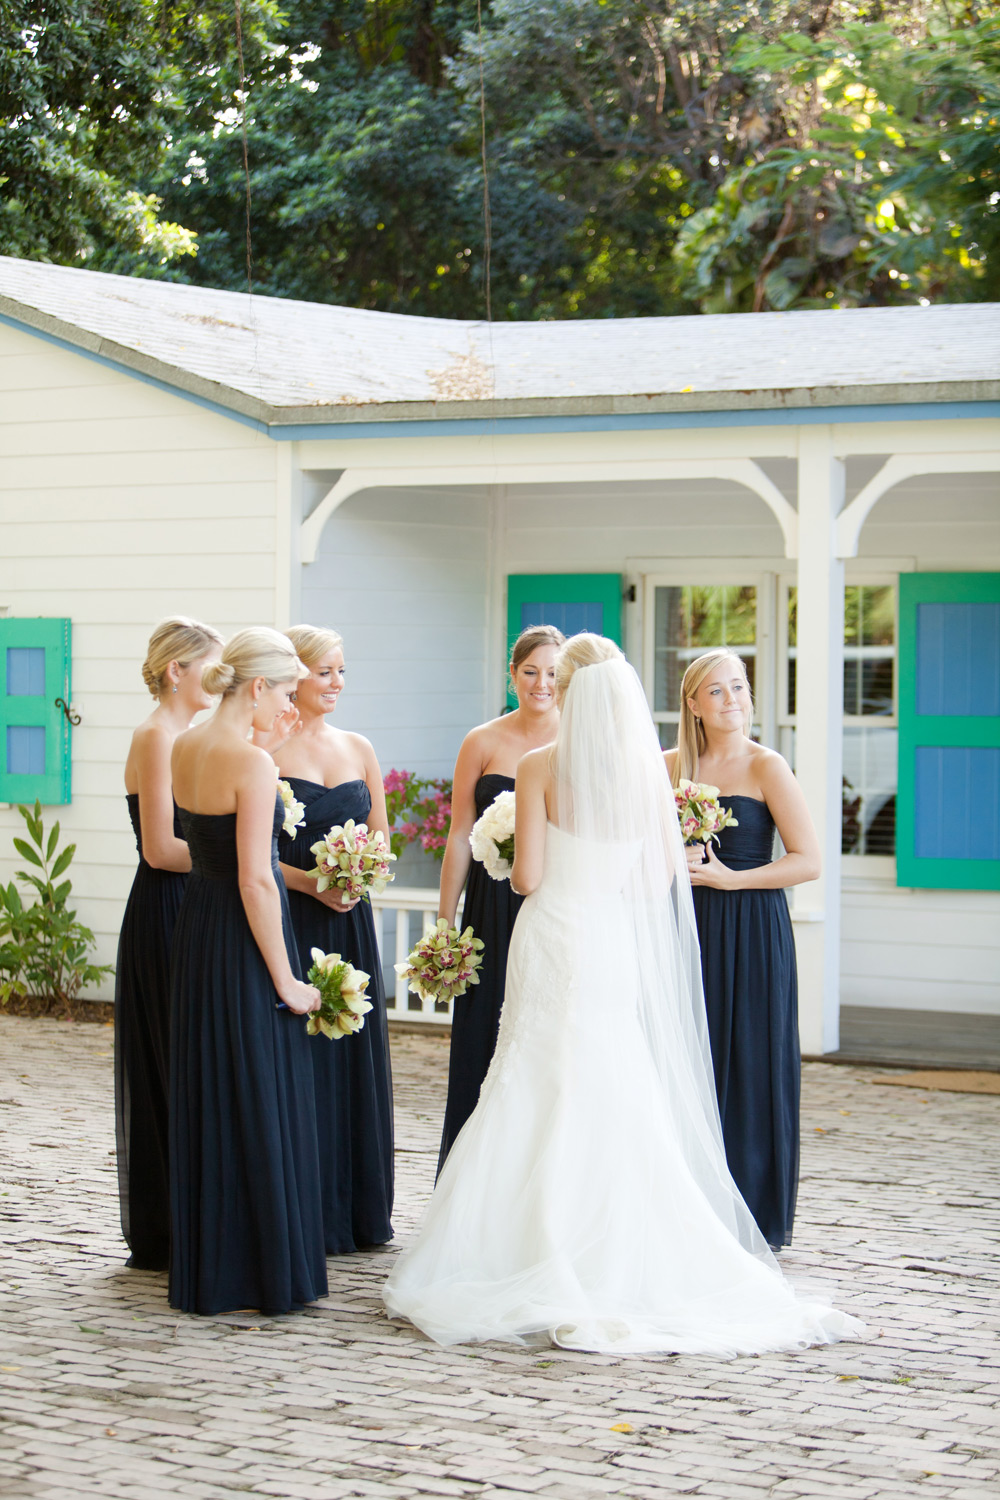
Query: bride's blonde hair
583 650
690 734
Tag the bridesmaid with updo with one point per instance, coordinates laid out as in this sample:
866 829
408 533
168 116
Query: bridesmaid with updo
485 767
178 650
335 774
246 1221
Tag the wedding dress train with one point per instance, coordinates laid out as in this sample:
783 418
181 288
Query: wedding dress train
587 1198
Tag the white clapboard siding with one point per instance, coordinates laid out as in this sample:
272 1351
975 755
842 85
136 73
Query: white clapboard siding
121 503
946 522
920 950
403 577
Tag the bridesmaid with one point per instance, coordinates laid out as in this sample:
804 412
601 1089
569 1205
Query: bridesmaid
485 768
747 947
336 775
178 650
246 1222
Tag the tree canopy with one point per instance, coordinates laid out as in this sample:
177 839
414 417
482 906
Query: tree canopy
643 156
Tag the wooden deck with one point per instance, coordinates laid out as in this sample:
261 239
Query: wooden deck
917 1038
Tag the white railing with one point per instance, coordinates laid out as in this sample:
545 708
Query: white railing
404 902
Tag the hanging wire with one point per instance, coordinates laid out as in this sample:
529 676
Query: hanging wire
243 128
487 216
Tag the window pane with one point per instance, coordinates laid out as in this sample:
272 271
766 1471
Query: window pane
852 607
706 605
25 671
878 616
740 616
793 616
791 684
876 685
869 825
851 684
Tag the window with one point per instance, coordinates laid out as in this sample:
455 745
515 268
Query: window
870 733
949 731
689 620
34 729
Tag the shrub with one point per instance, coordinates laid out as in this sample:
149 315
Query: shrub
43 948
418 809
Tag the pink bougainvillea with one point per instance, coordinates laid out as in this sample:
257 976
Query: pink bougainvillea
419 809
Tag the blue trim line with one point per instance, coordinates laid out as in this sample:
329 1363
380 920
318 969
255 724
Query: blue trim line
806 416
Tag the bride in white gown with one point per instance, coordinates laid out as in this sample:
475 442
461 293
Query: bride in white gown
587 1199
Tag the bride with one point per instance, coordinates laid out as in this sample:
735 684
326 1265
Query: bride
587 1199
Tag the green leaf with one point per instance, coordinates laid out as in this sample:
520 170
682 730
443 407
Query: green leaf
64 860
26 852
53 841
62 891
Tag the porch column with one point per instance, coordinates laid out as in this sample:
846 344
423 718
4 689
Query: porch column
819 733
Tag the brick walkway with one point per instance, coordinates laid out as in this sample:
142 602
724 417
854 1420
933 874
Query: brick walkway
105 1391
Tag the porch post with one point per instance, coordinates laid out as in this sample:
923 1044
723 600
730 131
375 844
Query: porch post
819 733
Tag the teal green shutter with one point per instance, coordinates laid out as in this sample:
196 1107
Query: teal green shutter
571 601
34 731
948 809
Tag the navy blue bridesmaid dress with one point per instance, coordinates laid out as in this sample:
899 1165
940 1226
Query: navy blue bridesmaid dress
352 1075
142 1057
246 1221
491 909
751 995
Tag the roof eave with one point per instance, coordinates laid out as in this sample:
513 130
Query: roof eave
346 412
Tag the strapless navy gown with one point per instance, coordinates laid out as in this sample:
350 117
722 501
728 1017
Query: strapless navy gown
352 1075
491 908
142 1071
246 1221
751 994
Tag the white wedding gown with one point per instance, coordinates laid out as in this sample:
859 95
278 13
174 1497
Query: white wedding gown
580 1202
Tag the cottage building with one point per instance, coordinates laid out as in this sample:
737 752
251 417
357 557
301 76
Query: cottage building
820 490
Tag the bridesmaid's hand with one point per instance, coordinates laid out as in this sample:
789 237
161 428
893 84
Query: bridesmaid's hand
301 998
336 899
711 872
284 727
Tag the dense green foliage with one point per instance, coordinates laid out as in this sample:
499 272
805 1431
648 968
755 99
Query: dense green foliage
644 156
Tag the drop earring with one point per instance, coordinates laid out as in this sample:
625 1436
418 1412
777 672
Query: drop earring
175 687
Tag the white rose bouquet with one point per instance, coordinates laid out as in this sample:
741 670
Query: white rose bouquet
293 809
701 814
353 859
492 837
444 962
342 988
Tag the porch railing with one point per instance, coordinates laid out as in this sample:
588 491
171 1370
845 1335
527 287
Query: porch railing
403 904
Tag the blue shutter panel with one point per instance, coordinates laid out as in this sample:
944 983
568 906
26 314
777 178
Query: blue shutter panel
948 825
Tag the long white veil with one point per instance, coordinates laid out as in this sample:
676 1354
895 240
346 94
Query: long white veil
612 789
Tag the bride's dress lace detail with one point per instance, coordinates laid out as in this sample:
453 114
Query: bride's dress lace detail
587 1198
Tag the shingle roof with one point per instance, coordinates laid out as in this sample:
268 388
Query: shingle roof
285 361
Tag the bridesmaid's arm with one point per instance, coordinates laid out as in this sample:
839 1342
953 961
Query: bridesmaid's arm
530 821
787 806
457 854
297 880
261 901
378 817
161 847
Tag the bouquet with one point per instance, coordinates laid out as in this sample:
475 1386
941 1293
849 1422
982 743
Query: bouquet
342 988
444 962
353 859
492 837
702 817
293 809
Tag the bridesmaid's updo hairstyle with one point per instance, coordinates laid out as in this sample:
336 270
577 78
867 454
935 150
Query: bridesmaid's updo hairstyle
258 652
690 734
175 639
313 642
529 640
583 650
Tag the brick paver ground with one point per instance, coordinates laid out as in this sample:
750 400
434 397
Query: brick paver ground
105 1391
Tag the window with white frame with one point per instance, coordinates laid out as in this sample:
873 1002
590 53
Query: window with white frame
687 621
870 724
685 617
